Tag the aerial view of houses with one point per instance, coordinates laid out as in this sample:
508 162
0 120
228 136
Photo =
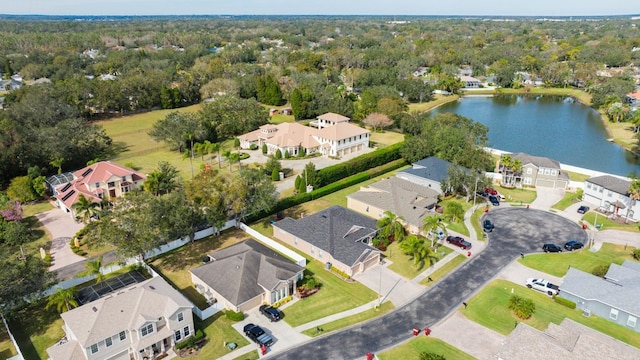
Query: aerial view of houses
318 187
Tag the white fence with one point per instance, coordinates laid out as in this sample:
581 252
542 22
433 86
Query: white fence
13 340
208 312
300 260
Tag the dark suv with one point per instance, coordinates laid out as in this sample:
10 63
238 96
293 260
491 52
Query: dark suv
551 248
458 241
271 313
494 200
257 335
487 225
573 245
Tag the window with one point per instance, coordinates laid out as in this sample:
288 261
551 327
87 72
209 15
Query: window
108 342
180 317
111 184
529 171
94 348
177 335
554 172
186 331
97 184
123 335
124 178
632 321
547 171
540 171
588 185
146 330
600 188
527 181
614 314
609 193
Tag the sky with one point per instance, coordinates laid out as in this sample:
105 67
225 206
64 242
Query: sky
322 7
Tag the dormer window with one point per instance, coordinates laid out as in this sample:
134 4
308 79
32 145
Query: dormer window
94 348
180 317
146 330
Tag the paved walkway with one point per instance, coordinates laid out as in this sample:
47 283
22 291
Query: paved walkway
62 228
389 285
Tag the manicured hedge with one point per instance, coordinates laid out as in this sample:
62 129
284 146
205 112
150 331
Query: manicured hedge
235 316
568 303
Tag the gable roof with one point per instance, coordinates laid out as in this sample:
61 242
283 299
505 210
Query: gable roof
333 117
612 183
431 168
537 161
336 230
340 131
619 289
403 198
127 309
243 271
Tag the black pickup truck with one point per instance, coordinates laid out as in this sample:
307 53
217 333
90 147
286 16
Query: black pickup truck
255 333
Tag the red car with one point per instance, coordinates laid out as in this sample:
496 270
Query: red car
490 191
458 241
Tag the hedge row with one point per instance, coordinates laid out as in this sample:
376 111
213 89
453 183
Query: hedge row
359 164
568 303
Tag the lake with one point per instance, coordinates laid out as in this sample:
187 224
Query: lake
551 126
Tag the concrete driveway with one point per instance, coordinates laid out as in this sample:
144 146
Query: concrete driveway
389 285
518 231
62 228
546 197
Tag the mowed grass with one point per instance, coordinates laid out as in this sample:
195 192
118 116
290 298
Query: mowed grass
253 355
386 138
217 330
606 223
517 195
336 295
7 349
413 348
475 222
36 329
444 270
140 123
574 176
489 308
403 264
349 320
569 199
175 265
557 264
430 105
459 225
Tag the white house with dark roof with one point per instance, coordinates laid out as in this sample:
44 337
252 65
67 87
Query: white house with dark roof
411 201
102 180
140 322
246 275
335 136
614 297
429 172
336 236
611 194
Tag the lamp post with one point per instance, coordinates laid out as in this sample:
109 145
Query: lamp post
475 192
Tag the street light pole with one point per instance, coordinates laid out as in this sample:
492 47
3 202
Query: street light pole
475 192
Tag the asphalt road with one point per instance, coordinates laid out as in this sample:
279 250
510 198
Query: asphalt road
517 231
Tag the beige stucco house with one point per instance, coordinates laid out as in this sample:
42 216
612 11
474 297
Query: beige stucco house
537 171
140 322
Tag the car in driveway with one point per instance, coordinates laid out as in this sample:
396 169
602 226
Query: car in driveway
257 335
490 191
551 248
494 200
573 245
543 286
583 209
487 225
458 241
270 312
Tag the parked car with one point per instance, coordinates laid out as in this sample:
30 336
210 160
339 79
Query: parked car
257 335
458 241
270 312
543 285
573 245
551 248
494 200
487 225
583 209
490 191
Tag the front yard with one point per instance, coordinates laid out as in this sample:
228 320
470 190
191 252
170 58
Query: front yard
349 320
403 264
605 223
517 195
218 330
557 264
413 348
489 308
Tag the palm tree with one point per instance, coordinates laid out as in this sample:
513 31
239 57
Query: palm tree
63 299
85 208
57 162
391 225
454 210
414 247
431 225
93 268
233 158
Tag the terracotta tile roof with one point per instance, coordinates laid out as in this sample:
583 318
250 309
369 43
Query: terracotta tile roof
341 131
103 171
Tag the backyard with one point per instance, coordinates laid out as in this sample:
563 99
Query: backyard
6 347
36 329
557 264
489 308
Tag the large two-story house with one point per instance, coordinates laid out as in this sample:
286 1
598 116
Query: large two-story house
611 194
334 136
140 322
536 171
102 180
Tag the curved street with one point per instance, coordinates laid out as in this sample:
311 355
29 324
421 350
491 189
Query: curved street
517 231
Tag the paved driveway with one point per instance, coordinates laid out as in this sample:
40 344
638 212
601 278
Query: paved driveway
518 230
389 285
62 228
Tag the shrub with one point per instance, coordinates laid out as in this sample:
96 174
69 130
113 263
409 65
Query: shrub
275 176
568 303
278 154
431 356
277 304
236 143
132 166
636 254
339 272
600 270
286 154
234 316
199 335
253 147
524 308
264 149
302 153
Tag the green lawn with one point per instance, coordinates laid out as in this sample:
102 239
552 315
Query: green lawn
517 195
403 264
349 320
336 295
429 105
458 226
569 199
253 355
218 329
475 222
7 349
489 308
386 138
36 329
413 348
444 270
557 264
574 176
606 223
36 208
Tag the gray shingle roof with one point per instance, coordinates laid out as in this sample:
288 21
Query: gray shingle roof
431 168
242 271
621 289
537 161
336 230
612 183
401 197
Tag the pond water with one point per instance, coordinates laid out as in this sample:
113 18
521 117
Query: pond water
555 127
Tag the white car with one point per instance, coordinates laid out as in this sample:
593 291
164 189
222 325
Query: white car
543 286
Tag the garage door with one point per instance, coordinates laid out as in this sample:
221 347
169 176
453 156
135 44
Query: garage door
370 262
545 183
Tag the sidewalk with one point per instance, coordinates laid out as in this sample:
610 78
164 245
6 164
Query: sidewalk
436 266
368 306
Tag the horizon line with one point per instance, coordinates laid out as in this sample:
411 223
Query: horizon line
405 15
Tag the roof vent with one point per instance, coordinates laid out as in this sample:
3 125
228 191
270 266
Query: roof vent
95 309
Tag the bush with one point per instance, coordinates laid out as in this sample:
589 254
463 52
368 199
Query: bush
286 154
568 303
524 308
264 149
234 316
277 304
600 270
431 356
278 154
636 254
253 147
275 176
339 272
302 152
199 335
